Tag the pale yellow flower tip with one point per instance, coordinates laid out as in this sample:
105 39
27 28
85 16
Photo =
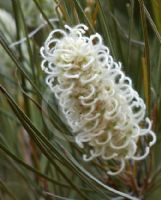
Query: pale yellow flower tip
97 99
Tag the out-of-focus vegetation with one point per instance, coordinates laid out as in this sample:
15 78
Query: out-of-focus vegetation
34 162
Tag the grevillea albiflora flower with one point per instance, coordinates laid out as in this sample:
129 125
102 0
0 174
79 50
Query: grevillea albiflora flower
104 112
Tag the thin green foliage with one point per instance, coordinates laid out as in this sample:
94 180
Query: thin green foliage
35 149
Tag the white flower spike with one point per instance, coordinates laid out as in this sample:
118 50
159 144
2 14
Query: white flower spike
97 99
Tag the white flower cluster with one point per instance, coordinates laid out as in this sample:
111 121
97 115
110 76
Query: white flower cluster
97 99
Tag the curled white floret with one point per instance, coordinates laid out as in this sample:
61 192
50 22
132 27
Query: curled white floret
97 99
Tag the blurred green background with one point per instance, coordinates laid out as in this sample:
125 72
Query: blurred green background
34 163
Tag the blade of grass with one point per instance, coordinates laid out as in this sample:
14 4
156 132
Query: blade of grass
58 9
146 55
28 167
154 28
43 14
115 31
95 179
67 10
48 150
106 28
146 82
5 189
57 121
18 28
82 16
32 65
130 31
156 6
